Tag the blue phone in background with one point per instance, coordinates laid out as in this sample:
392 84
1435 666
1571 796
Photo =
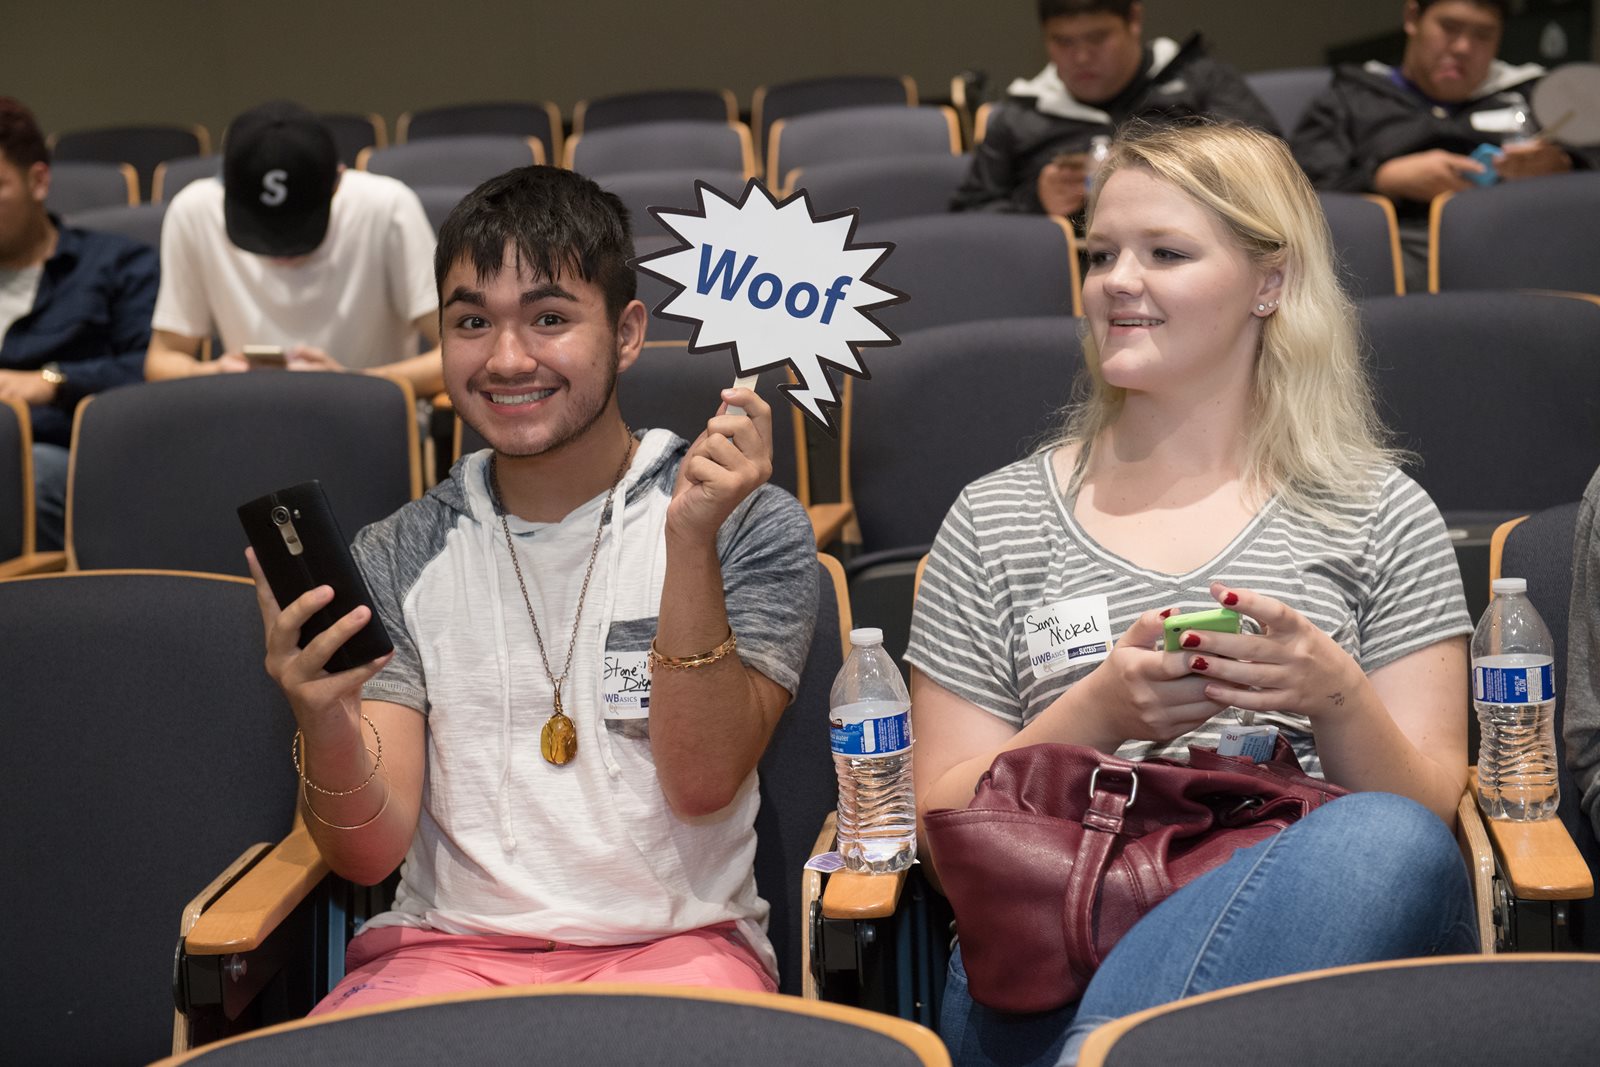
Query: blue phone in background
1488 155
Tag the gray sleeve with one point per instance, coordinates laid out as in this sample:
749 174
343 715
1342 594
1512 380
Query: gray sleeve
769 583
384 565
1416 598
960 623
1580 730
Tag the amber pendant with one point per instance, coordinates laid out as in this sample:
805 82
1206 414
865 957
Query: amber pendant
559 739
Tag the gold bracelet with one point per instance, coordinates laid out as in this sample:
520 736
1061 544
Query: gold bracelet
683 663
306 797
294 754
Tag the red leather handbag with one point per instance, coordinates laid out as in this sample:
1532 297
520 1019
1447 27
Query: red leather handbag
1064 848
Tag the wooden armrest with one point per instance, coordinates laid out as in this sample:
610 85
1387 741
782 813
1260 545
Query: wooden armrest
34 563
442 400
829 520
1479 854
810 890
244 916
849 895
1538 859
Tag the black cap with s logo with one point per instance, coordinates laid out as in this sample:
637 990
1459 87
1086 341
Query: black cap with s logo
279 170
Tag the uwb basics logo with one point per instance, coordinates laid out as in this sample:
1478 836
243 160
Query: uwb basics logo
775 284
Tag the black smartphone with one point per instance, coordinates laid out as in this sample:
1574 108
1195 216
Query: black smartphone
299 546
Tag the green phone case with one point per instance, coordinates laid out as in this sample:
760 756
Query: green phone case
1222 620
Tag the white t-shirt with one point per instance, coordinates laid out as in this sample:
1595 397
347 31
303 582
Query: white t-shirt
589 853
18 288
355 298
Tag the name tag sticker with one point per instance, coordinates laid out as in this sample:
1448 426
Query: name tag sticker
1068 634
627 685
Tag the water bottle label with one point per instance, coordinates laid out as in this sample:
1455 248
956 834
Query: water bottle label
1514 685
1068 634
872 737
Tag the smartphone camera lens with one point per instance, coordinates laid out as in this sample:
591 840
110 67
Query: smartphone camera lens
280 516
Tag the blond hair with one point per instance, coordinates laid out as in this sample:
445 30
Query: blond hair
1312 420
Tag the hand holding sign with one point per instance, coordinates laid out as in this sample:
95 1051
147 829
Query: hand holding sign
776 285
730 459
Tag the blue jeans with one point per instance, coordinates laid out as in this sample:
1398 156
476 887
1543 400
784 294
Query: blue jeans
1371 876
49 497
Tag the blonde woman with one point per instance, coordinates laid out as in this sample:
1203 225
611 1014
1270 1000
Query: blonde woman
1225 452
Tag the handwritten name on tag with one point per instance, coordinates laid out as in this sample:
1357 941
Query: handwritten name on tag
627 685
1067 634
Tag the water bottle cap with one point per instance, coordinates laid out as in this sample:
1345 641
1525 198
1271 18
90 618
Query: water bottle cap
1510 585
865 637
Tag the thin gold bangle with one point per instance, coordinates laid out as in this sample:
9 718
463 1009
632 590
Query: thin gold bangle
294 754
387 792
684 663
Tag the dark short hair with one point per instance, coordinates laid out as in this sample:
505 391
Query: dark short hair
1500 7
1049 9
558 222
20 138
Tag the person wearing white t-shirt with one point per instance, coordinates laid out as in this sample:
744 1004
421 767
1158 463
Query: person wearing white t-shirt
290 251
595 632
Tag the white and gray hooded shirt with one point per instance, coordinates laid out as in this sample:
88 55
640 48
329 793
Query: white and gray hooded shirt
589 853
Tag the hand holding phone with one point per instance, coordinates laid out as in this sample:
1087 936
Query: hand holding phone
265 357
298 547
1218 620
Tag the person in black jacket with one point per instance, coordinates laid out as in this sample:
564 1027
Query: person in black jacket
1408 132
1033 157
74 312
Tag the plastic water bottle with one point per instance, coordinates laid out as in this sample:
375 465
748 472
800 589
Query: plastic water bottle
1099 152
871 735
1513 690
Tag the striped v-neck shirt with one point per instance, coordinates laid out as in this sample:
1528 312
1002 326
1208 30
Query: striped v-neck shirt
1381 579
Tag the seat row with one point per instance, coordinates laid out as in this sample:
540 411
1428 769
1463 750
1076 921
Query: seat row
196 718
145 146
188 771
1532 234
158 468
713 148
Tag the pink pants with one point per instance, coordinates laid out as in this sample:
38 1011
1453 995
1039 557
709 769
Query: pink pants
399 962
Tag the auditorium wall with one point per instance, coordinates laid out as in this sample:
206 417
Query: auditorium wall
90 62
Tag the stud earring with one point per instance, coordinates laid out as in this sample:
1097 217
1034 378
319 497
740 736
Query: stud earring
1261 307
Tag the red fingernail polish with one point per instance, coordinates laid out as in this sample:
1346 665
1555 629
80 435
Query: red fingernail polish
1166 613
1199 664
1191 640
1231 599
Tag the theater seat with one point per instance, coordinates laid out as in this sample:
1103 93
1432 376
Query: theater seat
158 469
1539 233
146 752
1451 1011
562 1025
798 795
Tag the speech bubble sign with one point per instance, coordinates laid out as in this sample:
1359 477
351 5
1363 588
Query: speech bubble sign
777 285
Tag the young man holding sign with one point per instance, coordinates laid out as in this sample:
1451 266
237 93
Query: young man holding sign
595 632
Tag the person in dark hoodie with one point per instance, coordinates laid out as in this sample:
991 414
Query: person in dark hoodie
1408 132
1034 154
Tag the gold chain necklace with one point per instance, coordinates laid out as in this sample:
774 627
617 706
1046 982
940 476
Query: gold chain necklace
558 741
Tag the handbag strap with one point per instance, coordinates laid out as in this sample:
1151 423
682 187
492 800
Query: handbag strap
1102 821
